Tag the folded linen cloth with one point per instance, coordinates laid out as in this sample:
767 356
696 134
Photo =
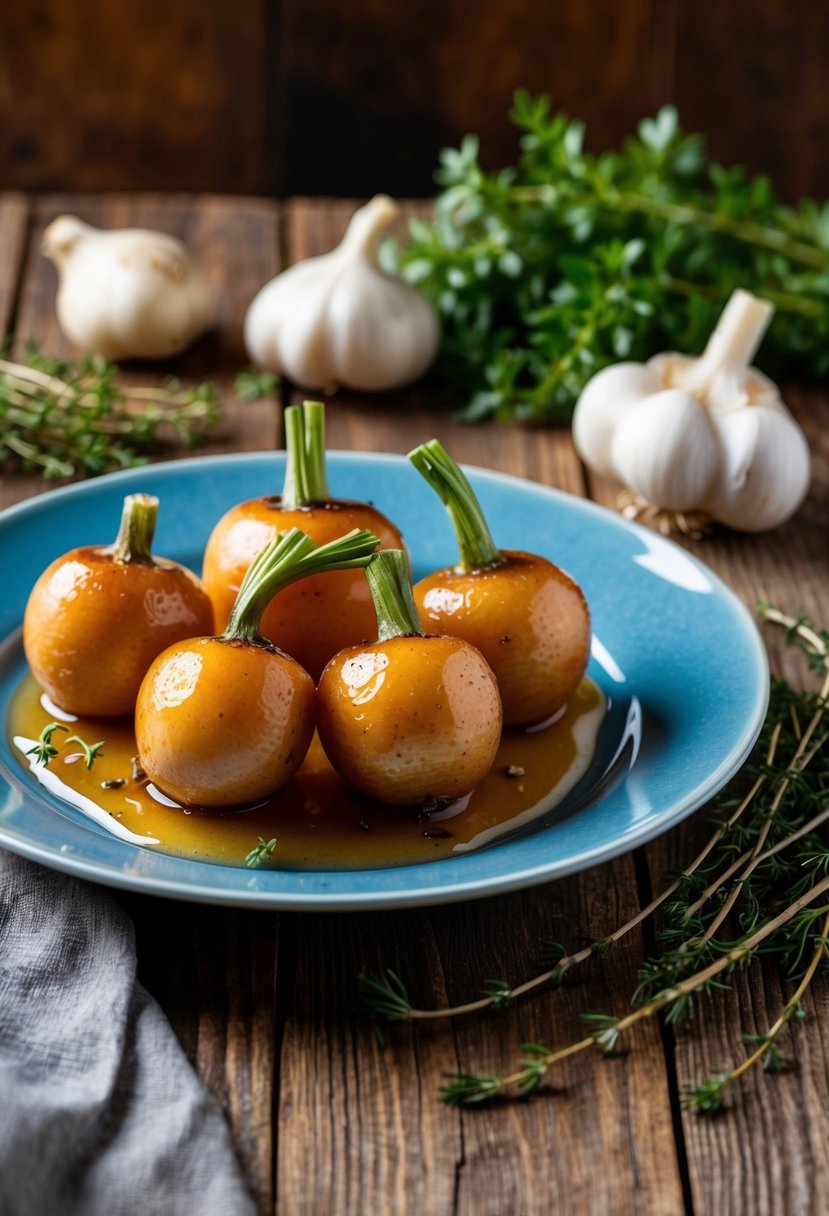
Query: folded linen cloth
100 1111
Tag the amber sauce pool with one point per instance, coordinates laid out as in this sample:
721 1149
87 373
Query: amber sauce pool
319 823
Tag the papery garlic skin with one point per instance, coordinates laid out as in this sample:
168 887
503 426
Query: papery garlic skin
340 320
766 469
708 435
665 449
127 293
604 401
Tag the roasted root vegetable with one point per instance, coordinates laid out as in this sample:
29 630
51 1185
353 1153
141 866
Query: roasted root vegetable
224 721
98 616
410 717
527 617
320 615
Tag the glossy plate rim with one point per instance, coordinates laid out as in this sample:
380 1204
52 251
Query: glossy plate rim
420 894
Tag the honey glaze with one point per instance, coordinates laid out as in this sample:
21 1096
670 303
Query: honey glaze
319 822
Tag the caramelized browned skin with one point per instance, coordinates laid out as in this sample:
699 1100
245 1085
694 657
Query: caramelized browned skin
93 625
410 718
223 723
318 616
528 619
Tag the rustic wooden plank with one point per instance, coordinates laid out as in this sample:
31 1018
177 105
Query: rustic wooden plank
359 1127
752 55
15 214
765 1155
530 1158
381 90
137 96
541 1156
14 221
239 243
215 976
210 96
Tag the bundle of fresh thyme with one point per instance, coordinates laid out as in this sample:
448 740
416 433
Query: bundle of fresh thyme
759 886
546 271
63 419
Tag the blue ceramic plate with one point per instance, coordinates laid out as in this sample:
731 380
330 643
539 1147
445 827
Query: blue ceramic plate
675 652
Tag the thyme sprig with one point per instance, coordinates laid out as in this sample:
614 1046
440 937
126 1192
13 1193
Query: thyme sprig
260 853
63 418
762 870
549 269
44 750
91 751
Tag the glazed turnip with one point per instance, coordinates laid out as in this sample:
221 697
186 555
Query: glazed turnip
224 721
527 617
410 717
99 615
320 615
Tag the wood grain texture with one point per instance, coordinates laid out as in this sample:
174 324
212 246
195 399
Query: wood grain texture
359 1128
15 212
372 92
214 971
392 1146
752 76
764 1155
310 96
540 1156
14 221
135 96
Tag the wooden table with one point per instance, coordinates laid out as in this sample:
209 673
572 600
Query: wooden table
328 1122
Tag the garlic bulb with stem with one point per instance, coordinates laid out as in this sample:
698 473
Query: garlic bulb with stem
708 435
340 320
126 293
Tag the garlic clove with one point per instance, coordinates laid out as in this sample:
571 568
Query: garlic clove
605 401
126 293
665 449
283 336
389 341
339 319
712 437
765 468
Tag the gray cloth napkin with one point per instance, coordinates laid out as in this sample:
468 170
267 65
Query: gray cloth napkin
100 1111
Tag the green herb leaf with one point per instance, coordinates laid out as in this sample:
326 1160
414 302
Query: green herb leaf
385 996
252 384
66 418
91 751
546 271
44 750
261 852
753 889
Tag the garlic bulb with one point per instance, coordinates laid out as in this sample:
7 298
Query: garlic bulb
341 320
708 435
126 293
